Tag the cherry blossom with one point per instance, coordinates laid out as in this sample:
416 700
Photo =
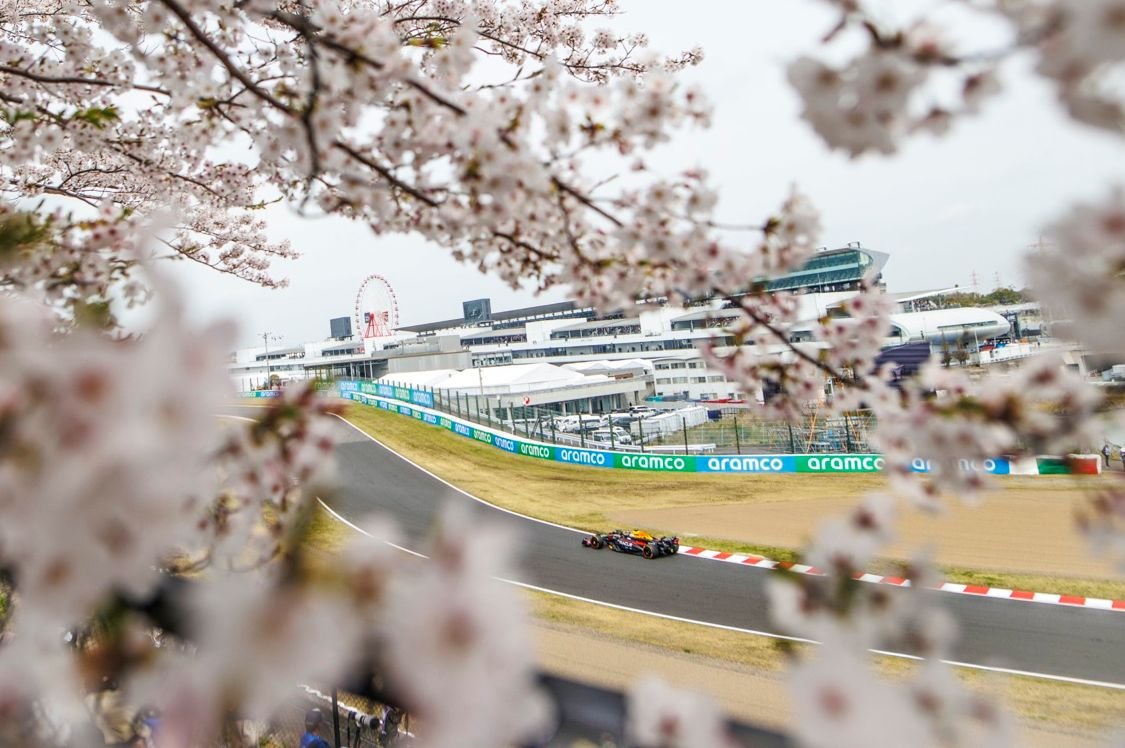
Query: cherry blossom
862 107
1102 520
1077 274
838 697
851 543
450 626
1042 408
663 716
136 451
177 122
841 702
1080 50
252 640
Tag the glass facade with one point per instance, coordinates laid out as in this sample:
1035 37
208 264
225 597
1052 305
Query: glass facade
836 270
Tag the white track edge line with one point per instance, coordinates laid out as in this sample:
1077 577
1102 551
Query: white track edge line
736 629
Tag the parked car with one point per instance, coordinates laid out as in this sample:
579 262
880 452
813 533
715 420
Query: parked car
575 423
620 436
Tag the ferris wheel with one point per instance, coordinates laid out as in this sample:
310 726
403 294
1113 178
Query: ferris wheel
376 308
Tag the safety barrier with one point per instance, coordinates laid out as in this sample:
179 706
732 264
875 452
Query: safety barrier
418 404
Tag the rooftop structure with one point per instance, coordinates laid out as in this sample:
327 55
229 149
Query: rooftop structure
835 270
562 309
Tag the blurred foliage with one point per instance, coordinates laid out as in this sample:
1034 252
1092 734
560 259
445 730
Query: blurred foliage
998 297
19 233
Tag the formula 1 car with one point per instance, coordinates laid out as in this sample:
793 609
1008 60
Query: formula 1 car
637 541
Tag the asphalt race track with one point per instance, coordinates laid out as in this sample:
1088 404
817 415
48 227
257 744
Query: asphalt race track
1038 638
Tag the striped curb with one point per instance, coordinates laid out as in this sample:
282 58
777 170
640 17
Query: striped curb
760 562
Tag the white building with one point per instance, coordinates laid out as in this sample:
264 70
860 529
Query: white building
662 337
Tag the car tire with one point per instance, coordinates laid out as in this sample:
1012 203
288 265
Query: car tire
596 543
647 552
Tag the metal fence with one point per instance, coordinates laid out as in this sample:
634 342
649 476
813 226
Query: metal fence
584 715
725 430
736 432
349 722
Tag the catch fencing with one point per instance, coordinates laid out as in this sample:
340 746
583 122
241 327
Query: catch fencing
695 429
501 438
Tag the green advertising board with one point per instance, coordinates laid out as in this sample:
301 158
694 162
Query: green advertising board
663 463
846 463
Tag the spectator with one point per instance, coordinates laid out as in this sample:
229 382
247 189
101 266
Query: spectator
1123 455
314 718
147 723
1105 453
389 729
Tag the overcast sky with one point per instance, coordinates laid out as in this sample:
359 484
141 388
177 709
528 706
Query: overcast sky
944 209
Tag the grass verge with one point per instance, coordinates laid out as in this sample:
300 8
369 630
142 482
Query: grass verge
758 652
582 497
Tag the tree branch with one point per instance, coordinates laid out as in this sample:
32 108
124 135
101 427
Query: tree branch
386 174
235 71
75 80
564 187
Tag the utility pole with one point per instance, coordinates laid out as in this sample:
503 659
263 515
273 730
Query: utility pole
266 338
480 380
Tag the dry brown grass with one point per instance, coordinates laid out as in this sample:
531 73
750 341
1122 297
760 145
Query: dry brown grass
761 653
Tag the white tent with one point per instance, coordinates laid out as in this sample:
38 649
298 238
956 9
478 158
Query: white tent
674 420
633 366
498 380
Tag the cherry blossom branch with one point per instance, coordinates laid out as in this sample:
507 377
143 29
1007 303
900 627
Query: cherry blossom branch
310 110
309 30
199 35
386 174
525 246
586 201
537 54
75 80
